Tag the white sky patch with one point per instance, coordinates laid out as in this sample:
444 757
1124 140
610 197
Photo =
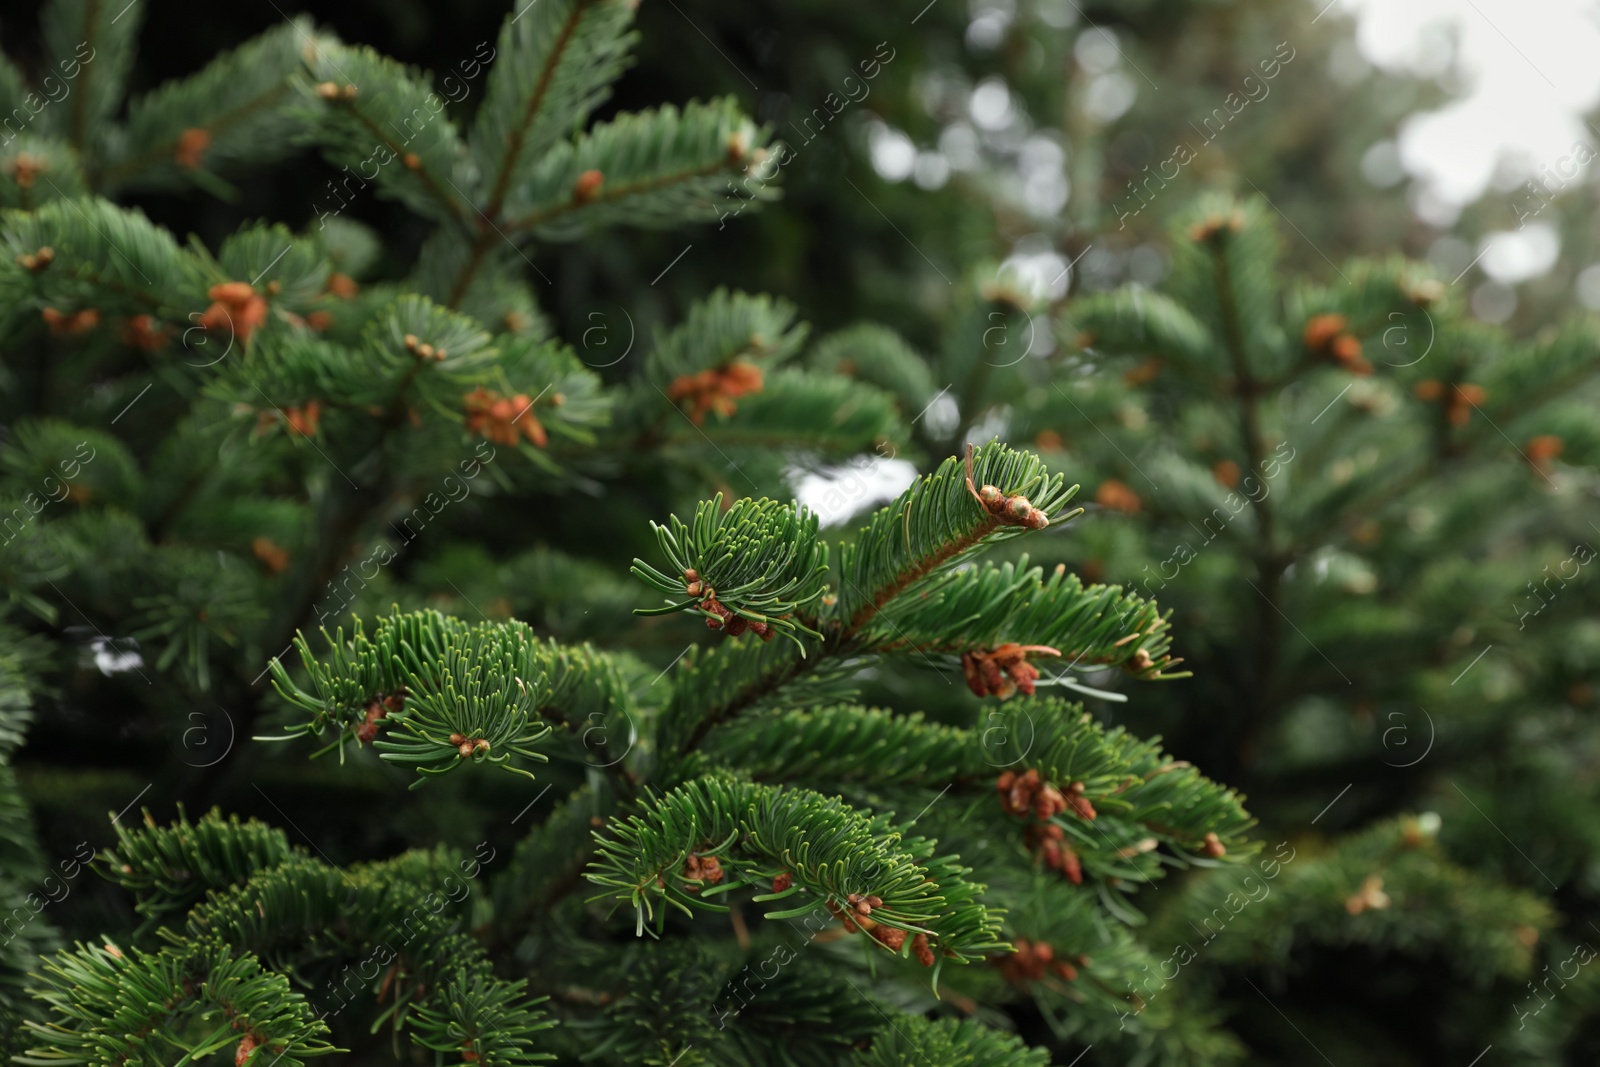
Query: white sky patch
838 494
1529 77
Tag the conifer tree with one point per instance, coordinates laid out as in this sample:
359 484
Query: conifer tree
787 793
260 417
1376 511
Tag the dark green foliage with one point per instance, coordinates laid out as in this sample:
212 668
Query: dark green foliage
947 1043
171 868
410 450
759 559
144 997
758 832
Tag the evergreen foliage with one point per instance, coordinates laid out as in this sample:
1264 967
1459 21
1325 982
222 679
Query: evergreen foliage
304 406
818 784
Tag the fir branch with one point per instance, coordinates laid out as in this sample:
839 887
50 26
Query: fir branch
985 607
727 327
1135 788
171 868
229 113
22 862
402 914
839 743
875 355
363 98
752 565
1391 884
1133 321
713 685
910 546
481 1019
913 1041
36 170
116 1006
433 692
555 64
1136 794
655 168
795 409
935 524
832 853
548 864
99 248
69 27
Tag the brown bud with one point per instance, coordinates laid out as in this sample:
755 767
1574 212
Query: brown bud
1322 329
587 187
191 147
892 937
234 293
